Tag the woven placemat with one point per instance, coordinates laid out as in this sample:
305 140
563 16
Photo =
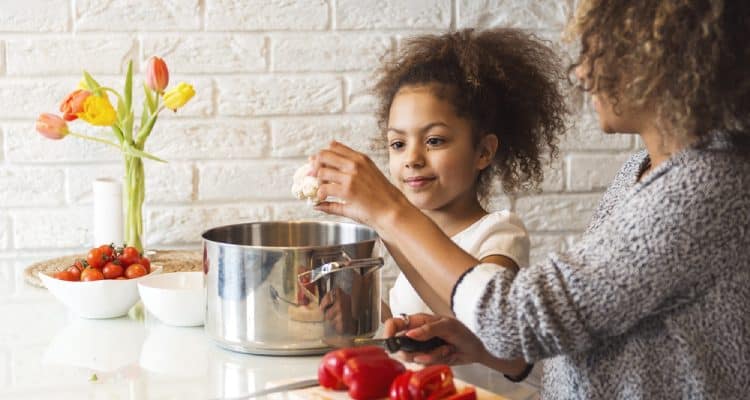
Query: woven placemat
170 260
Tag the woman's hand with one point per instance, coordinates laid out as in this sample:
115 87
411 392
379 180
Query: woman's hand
463 346
365 192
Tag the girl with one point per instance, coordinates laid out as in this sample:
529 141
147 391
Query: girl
458 111
652 302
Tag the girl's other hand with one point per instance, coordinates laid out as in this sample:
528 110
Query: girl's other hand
352 177
463 346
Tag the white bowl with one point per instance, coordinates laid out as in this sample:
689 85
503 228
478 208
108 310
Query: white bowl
176 298
107 298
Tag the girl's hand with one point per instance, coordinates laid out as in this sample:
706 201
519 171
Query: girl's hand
366 194
463 346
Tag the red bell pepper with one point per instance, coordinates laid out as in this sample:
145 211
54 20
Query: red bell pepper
331 369
468 393
400 387
369 377
430 383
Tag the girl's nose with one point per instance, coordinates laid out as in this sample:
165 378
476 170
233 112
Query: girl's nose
414 157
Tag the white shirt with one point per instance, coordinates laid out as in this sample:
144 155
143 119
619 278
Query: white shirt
497 233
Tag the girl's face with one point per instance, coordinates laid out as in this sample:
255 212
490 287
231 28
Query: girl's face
432 156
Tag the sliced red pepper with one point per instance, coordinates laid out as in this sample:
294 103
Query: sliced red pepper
400 387
369 377
331 369
468 393
430 383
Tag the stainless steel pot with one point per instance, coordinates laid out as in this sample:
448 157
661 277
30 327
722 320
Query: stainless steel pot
289 288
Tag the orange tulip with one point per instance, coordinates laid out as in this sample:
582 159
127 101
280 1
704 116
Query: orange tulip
72 104
51 126
157 74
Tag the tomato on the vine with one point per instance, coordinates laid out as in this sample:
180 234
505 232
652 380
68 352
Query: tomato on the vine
91 274
96 258
108 250
135 271
65 276
75 272
129 255
146 264
112 270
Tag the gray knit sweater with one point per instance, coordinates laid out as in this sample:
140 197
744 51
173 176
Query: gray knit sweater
654 300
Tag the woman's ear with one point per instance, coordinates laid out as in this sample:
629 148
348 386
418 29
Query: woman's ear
487 148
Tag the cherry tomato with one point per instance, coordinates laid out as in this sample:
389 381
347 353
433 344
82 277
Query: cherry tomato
121 278
75 272
108 250
91 274
80 264
65 276
112 270
146 264
96 258
130 255
135 271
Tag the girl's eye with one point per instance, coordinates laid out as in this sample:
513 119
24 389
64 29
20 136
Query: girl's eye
396 145
434 141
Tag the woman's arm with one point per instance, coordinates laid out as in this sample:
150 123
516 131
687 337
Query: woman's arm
650 255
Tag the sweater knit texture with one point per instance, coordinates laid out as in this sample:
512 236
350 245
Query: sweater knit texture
653 302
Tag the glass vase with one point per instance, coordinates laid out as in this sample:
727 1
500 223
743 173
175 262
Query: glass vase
133 195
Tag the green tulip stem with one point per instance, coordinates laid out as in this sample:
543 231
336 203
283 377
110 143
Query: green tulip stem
133 197
94 138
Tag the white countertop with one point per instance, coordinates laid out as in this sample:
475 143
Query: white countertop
48 353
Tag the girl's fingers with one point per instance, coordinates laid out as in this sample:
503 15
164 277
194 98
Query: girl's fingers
331 159
330 207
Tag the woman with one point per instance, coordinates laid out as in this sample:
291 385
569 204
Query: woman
652 301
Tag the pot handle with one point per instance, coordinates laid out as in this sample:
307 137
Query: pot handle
336 266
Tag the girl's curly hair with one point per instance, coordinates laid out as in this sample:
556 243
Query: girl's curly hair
505 82
686 59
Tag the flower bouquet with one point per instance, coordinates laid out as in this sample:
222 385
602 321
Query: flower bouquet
91 104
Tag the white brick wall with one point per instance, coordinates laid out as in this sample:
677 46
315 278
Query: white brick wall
275 80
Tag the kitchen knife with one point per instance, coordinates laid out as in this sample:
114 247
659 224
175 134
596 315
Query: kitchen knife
392 344
276 389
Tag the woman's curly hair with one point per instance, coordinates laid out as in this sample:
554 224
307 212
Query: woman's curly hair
503 81
686 59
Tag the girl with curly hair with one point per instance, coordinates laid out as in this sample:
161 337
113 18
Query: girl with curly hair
457 112
652 300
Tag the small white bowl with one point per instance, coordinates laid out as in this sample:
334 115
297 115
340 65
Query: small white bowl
176 298
107 298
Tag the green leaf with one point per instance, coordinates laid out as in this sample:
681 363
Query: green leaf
144 115
149 98
129 86
91 82
122 111
138 153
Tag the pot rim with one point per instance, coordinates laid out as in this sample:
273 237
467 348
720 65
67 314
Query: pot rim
375 238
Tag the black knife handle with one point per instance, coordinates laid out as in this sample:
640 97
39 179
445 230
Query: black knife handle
407 344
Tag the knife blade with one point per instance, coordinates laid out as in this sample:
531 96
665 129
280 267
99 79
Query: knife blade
391 344
303 384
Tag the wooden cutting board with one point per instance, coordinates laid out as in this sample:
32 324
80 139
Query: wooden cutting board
319 393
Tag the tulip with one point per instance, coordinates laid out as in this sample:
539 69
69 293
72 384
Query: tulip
51 126
157 74
72 104
97 110
178 96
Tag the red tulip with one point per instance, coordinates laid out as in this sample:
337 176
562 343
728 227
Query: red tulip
72 104
157 74
51 126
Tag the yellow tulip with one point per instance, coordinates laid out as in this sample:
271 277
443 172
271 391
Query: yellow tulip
178 96
98 111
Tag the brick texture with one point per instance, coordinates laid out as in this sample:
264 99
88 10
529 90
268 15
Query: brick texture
275 81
